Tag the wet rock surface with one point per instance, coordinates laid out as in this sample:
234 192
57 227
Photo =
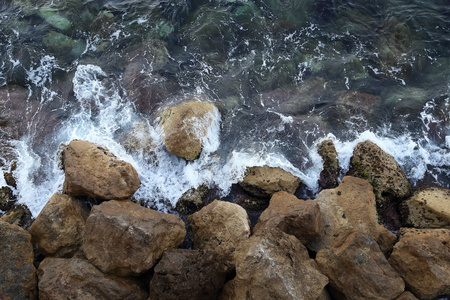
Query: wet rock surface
192 200
330 173
18 215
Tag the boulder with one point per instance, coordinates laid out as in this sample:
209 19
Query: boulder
422 258
264 181
274 265
192 200
357 268
427 208
406 296
124 238
62 278
91 170
58 229
185 127
330 173
140 141
18 215
291 215
7 198
17 272
187 274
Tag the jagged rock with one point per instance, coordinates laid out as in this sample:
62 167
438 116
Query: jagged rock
299 218
187 274
357 268
264 181
422 258
91 170
124 238
9 177
192 200
7 198
427 208
406 296
330 173
274 265
58 229
18 215
62 278
17 272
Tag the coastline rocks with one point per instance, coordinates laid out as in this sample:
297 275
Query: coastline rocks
18 215
357 269
91 170
58 229
264 181
126 239
330 173
61 278
192 200
7 198
17 272
422 258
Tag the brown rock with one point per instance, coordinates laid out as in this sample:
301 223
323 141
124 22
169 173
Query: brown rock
18 215
7 198
330 173
17 272
299 218
274 265
422 258
192 200
62 278
58 229
93 171
264 181
357 268
124 238
406 296
187 274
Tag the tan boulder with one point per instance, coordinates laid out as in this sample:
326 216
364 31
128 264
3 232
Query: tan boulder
422 258
58 229
330 173
406 296
91 170
18 215
124 238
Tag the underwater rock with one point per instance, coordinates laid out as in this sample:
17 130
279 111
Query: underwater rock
295 12
353 103
192 200
63 46
51 16
140 141
330 173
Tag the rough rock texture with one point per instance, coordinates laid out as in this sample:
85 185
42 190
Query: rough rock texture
7 198
293 216
220 227
62 278
351 206
187 274
357 268
17 272
422 258
58 229
427 208
18 215
186 126
192 200
140 141
330 173
91 170
274 265
264 181
124 238
406 296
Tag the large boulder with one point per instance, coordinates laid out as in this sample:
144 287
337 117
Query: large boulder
17 272
124 238
274 265
357 268
58 229
62 278
330 173
422 258
91 170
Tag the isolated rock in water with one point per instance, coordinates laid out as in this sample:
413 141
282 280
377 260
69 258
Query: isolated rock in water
58 230
274 265
187 274
186 126
357 268
62 278
17 272
427 208
422 258
18 215
192 200
264 181
220 227
124 238
291 215
91 170
330 173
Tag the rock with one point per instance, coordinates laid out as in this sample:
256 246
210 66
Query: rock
406 296
18 215
63 46
220 227
192 200
299 218
17 272
330 173
7 198
357 268
93 171
348 207
86 282
186 126
187 274
264 181
427 208
274 265
422 258
51 16
140 141
58 229
124 238
9 178
351 103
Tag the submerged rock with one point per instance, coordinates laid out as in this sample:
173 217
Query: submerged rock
330 173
